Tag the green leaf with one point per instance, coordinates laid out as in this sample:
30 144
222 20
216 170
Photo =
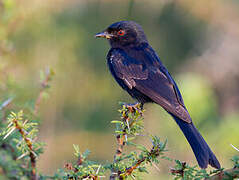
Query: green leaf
114 121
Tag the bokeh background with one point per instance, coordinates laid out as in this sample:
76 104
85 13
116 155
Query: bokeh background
198 41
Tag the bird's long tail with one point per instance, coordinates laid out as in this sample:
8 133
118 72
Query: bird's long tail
203 153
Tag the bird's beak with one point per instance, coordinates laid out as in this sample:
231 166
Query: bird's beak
104 34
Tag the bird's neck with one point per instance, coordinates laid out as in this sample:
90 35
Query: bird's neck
134 46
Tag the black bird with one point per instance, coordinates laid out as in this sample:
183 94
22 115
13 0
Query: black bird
138 70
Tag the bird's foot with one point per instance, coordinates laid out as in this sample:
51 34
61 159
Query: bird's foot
135 106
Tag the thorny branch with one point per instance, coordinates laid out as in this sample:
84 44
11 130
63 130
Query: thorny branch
121 143
153 152
218 174
44 85
121 139
32 155
70 167
226 174
79 162
179 171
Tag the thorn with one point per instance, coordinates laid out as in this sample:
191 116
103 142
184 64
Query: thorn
10 124
25 131
6 103
98 169
234 147
126 138
24 122
132 176
156 167
127 122
9 133
34 153
23 155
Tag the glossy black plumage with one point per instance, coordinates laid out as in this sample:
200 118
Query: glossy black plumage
138 70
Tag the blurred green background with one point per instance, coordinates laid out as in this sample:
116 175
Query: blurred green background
198 41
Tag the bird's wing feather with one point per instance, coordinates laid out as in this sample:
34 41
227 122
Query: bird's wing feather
155 82
126 70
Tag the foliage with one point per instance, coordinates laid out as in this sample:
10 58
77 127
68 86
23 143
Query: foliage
20 150
125 165
184 171
19 109
18 134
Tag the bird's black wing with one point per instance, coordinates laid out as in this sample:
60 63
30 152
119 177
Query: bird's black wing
153 81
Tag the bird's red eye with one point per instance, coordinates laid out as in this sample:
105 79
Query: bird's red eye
121 32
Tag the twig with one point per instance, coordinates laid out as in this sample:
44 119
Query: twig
131 169
91 177
226 174
4 106
148 157
121 139
29 145
179 171
79 162
69 166
121 143
44 84
6 103
153 152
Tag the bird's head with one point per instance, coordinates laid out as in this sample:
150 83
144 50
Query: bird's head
124 33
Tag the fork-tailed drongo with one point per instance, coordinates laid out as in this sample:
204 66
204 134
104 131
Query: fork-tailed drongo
138 70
